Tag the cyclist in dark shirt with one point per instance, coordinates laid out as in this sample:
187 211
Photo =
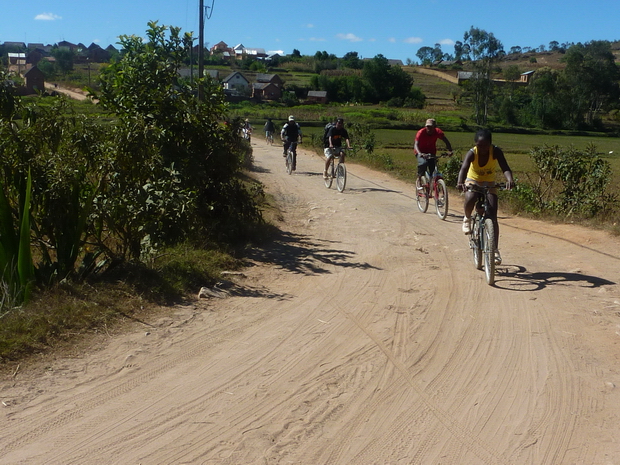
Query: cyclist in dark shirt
335 137
291 132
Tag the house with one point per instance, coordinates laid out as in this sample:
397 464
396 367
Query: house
17 59
68 45
527 76
317 96
463 76
220 47
35 56
236 83
96 54
35 80
241 51
269 78
35 45
14 46
266 91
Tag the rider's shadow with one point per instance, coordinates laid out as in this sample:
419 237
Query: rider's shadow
517 278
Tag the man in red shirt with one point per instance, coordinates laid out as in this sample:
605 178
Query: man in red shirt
426 144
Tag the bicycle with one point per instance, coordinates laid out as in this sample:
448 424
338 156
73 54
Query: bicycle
269 137
291 159
482 236
338 171
435 186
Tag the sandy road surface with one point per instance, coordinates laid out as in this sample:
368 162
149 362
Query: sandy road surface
362 336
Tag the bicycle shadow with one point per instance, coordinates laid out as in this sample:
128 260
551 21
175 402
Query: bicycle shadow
298 253
517 278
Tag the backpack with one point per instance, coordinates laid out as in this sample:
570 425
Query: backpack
328 126
292 131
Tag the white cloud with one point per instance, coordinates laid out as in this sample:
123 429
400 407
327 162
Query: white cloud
446 42
413 40
47 17
350 37
310 26
392 39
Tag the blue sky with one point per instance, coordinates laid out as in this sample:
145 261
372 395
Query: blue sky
396 30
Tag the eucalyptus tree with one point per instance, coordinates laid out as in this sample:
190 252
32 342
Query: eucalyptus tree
484 51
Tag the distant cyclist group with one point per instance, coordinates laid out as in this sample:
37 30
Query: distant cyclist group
477 173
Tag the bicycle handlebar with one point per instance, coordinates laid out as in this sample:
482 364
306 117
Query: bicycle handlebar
483 189
430 156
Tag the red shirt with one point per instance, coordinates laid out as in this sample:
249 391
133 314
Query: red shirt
427 143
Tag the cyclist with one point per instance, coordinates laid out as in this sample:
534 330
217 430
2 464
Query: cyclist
335 135
247 129
291 132
479 168
269 129
426 144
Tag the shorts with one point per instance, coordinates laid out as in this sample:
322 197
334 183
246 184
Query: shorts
491 184
329 151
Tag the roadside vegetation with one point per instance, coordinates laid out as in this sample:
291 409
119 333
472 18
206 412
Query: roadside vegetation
145 197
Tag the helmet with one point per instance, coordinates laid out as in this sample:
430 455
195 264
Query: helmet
291 118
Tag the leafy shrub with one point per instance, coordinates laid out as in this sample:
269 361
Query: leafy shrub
570 182
450 170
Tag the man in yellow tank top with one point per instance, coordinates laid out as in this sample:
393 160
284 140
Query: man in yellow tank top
480 168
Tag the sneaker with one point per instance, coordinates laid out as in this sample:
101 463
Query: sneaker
466 225
498 258
325 175
294 168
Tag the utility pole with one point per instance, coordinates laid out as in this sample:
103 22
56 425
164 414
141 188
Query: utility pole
201 25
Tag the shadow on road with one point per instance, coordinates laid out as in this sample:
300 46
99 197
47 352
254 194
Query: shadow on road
517 278
297 253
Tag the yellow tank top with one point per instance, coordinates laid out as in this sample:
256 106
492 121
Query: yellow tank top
484 173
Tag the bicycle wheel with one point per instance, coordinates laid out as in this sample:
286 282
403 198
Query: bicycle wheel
489 249
341 176
474 242
289 162
330 175
441 199
421 190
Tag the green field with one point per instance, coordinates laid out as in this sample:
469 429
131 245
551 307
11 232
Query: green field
398 144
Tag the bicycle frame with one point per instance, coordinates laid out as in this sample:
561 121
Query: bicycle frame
337 170
482 237
291 157
435 186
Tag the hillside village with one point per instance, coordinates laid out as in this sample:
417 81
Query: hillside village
23 58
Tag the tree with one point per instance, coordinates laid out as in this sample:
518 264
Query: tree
484 50
175 161
352 60
385 81
458 50
592 75
64 59
515 50
425 54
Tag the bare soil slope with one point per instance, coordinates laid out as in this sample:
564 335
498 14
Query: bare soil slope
362 335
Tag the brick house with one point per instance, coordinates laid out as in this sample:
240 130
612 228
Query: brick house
35 80
317 96
266 91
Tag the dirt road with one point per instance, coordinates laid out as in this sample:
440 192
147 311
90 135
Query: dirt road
363 335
